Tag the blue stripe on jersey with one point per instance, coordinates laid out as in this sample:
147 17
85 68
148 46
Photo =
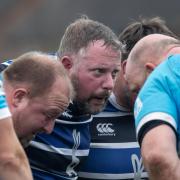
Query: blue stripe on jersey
122 160
110 108
5 64
8 62
62 134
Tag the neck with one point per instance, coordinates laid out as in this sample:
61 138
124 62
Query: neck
121 98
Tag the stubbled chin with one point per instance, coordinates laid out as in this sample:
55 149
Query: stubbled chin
97 105
26 140
98 102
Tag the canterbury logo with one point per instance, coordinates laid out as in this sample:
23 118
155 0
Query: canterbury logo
105 128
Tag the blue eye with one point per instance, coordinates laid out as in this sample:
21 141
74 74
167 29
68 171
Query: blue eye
99 71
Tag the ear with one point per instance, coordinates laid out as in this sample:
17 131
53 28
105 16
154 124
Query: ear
149 67
123 66
67 62
20 96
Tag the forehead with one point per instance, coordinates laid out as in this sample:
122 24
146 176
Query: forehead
98 53
58 95
61 88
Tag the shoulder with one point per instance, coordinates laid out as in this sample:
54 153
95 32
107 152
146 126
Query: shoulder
173 64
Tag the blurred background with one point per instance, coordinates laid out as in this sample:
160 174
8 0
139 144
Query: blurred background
27 25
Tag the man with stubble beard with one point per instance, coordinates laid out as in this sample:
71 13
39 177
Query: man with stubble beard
91 53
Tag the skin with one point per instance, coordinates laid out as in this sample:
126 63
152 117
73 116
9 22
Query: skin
37 114
13 161
93 72
160 166
135 77
121 90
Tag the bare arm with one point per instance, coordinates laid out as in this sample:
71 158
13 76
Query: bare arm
159 154
13 162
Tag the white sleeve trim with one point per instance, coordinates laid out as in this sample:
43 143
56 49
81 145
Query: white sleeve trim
156 116
4 113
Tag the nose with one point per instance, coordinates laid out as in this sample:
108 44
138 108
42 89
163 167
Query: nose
49 126
108 82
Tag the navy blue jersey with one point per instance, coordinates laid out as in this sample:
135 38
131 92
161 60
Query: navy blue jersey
114 151
5 64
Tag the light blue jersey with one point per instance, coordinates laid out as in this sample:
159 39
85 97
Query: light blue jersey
159 99
4 111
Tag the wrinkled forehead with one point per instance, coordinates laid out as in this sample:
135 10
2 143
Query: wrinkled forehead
61 89
57 102
99 46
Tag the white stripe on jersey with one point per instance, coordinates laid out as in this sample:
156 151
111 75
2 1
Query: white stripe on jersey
73 122
156 116
62 151
112 114
115 145
110 176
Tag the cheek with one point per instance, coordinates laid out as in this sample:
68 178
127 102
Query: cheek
88 83
133 82
86 79
38 120
91 87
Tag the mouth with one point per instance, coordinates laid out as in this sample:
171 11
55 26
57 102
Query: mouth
99 100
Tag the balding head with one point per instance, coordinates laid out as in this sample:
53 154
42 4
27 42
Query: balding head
145 56
37 90
35 70
152 48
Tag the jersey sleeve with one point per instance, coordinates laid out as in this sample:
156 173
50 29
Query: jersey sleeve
155 104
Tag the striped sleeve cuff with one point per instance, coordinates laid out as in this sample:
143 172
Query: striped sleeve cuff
154 116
